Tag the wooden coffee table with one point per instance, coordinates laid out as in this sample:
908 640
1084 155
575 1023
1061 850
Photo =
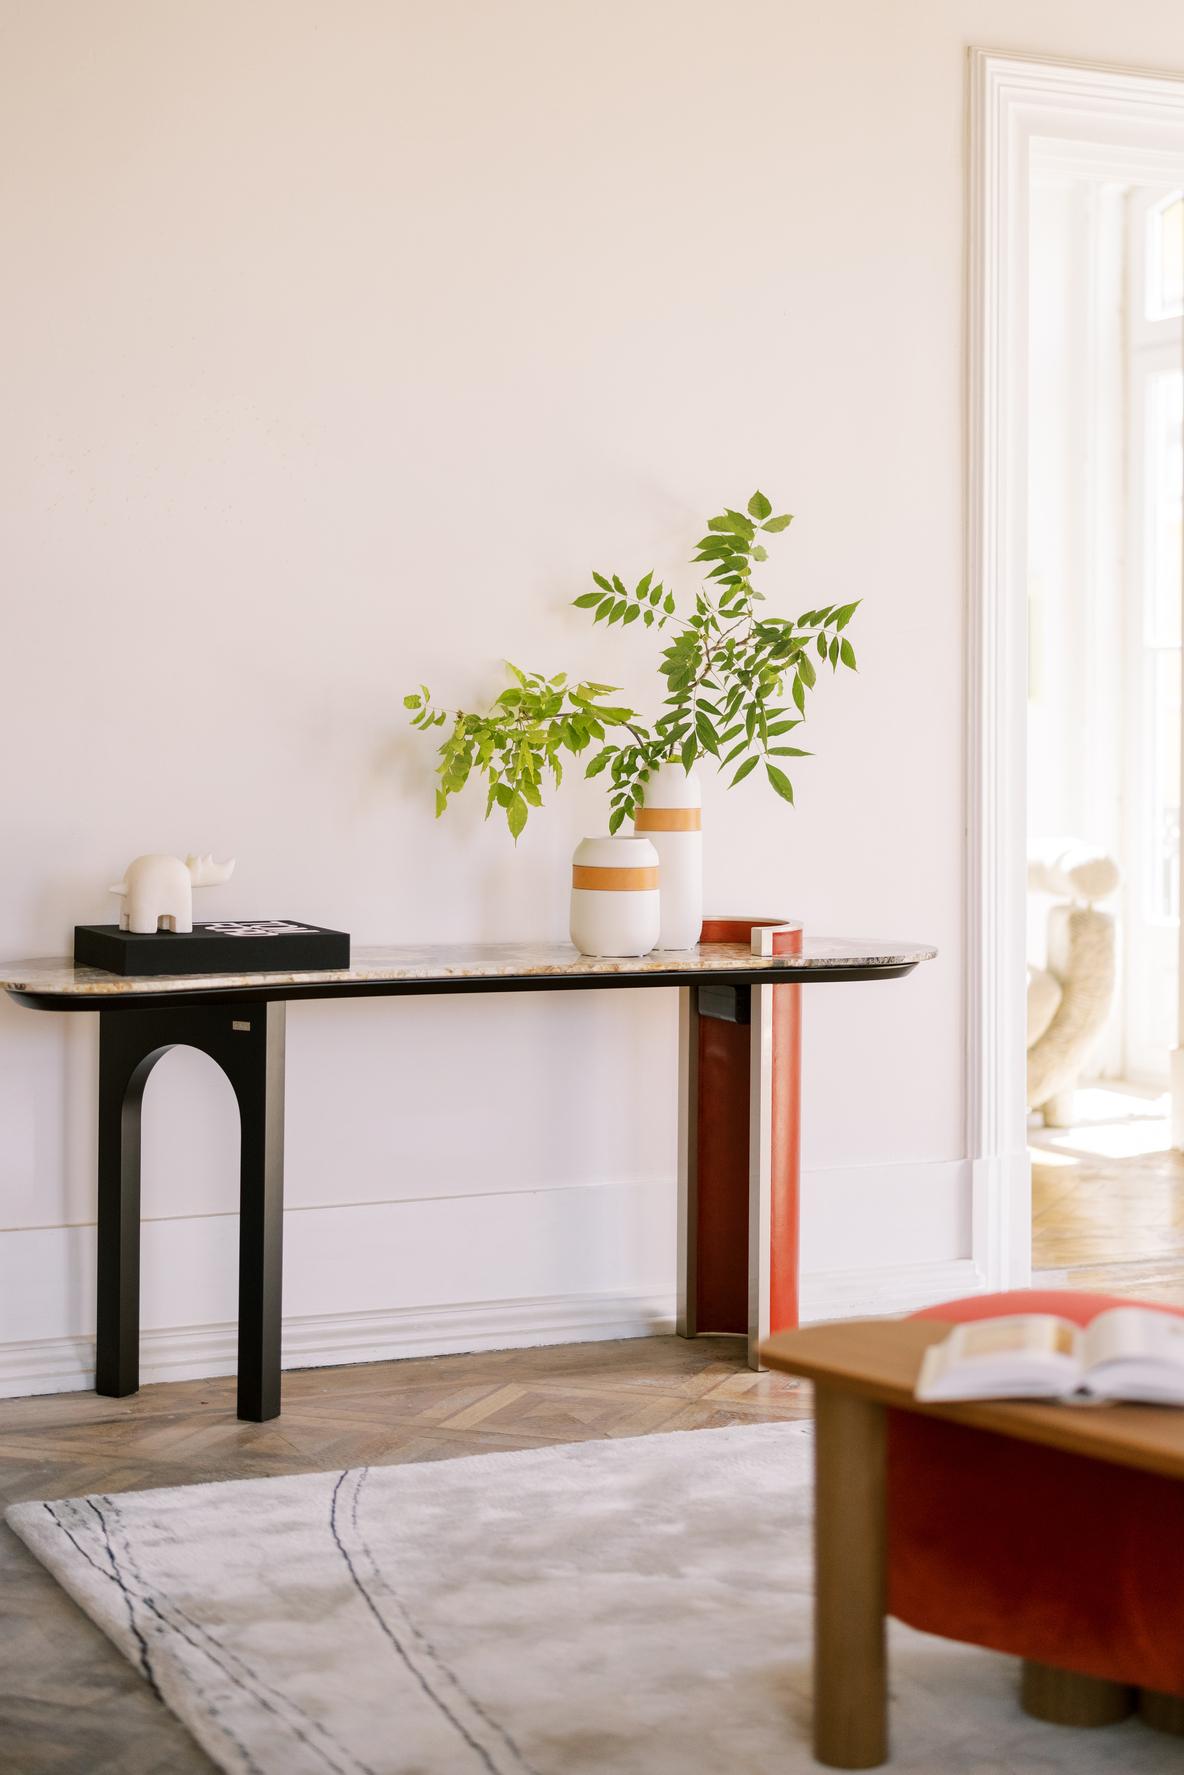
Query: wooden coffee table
859 1368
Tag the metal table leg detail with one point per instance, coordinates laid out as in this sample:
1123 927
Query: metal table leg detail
739 1146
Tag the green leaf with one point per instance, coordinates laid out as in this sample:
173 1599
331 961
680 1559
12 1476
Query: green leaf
799 694
668 604
606 605
619 587
516 816
586 600
780 782
441 802
708 738
643 585
806 671
759 553
847 653
599 762
690 751
845 612
749 764
834 653
633 612
412 702
781 523
616 821
759 506
604 584
789 752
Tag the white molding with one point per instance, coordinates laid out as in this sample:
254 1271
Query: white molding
201 1352
326 1340
1010 100
997 668
898 1288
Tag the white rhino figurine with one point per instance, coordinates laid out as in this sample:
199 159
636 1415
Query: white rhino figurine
158 891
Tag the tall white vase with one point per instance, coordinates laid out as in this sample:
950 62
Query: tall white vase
671 818
614 896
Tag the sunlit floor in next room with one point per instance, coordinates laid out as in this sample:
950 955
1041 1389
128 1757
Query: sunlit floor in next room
1108 1197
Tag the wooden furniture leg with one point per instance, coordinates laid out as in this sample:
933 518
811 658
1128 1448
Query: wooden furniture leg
850 1675
1165 1713
1063 1698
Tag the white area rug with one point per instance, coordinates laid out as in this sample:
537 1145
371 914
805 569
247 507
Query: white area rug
610 1608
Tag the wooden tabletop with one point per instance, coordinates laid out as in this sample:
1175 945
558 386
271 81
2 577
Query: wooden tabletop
879 1359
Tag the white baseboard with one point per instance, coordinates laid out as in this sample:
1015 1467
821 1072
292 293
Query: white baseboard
899 1288
201 1352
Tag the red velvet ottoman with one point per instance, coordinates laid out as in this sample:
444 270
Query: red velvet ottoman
1073 1565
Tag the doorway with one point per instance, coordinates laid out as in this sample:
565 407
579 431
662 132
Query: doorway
1076 507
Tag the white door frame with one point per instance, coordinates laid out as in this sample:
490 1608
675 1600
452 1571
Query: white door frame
1011 99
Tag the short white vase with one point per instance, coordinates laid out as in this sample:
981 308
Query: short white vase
614 896
671 818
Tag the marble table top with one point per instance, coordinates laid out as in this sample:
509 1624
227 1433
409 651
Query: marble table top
479 964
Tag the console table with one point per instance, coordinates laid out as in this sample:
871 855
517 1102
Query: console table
739 1107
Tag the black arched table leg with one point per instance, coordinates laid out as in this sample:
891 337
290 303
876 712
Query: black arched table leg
247 1041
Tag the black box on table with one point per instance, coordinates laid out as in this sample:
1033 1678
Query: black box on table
223 946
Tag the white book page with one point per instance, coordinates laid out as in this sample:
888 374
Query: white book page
1136 1353
1022 1356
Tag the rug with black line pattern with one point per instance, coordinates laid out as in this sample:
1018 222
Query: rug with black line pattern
638 1606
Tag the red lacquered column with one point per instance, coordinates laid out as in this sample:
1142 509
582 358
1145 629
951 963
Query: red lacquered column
739 1146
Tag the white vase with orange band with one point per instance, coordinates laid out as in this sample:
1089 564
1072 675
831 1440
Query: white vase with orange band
672 820
615 908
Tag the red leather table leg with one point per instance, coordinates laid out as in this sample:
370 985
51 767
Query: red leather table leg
740 1157
721 1136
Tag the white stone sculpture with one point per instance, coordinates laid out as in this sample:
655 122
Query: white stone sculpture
1070 997
158 891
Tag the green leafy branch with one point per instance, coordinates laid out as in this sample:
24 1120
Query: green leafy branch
728 666
736 684
519 739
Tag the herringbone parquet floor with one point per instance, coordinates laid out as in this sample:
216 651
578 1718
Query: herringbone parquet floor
71 1705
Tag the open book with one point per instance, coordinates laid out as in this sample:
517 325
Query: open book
1125 1353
